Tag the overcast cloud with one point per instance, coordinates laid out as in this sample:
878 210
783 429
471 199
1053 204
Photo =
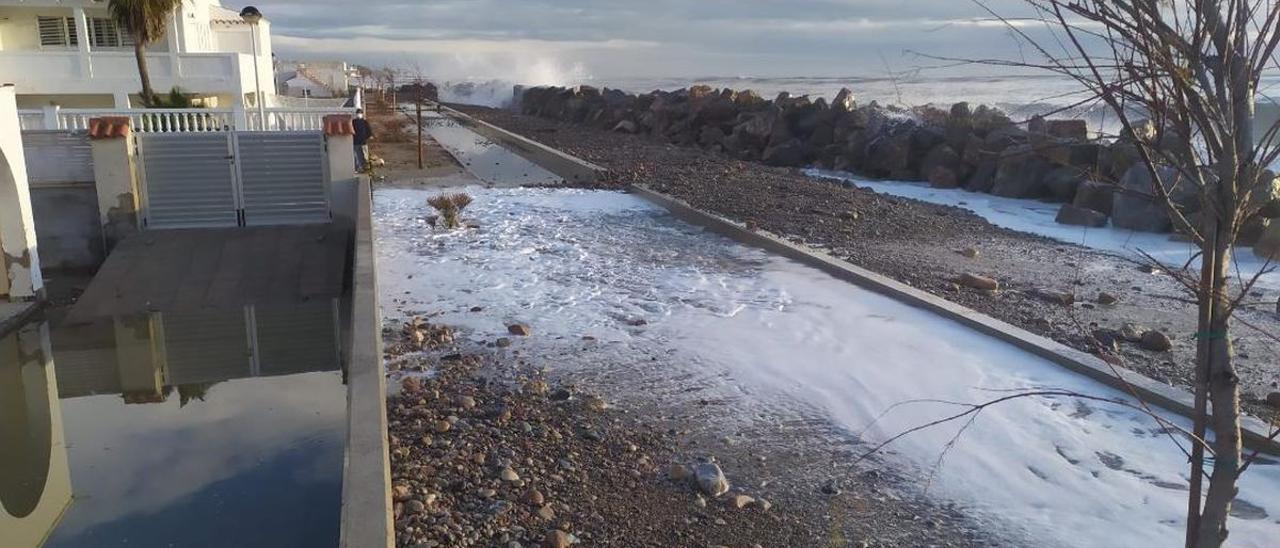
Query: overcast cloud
536 39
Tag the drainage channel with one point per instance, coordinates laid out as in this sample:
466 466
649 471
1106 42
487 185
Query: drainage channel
664 313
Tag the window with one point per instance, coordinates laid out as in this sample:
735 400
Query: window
106 33
57 31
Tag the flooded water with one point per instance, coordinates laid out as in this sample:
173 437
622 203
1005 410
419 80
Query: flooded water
218 428
487 160
618 290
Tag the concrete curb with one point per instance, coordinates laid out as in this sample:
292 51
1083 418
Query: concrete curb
569 168
1173 399
366 471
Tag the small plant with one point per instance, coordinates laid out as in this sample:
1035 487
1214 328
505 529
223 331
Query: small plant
450 207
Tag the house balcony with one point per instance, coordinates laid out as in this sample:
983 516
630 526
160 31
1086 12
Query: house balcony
116 73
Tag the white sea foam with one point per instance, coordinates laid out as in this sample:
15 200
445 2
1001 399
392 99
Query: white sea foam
794 341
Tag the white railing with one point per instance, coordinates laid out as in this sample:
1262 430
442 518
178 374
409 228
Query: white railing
183 120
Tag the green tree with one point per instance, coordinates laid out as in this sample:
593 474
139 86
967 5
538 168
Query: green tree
145 20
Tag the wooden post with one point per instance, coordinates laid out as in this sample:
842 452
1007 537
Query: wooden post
419 104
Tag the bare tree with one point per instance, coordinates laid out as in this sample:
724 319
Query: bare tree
1181 77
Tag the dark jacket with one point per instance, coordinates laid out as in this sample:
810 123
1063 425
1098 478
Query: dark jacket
363 131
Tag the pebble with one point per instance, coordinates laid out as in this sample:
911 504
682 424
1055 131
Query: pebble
679 472
764 504
443 426
711 479
519 329
547 512
534 497
415 506
969 252
508 474
400 492
978 282
1105 298
559 539
502 342
1156 341
740 501
1273 399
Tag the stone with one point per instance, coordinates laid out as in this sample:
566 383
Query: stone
831 488
626 126
415 506
559 539
1253 229
519 329
1156 341
969 252
763 504
1095 195
679 472
789 153
546 512
1268 245
1062 183
942 167
443 426
1077 130
978 282
502 342
1056 297
961 110
1078 216
1273 399
466 402
844 101
1132 332
508 474
595 403
411 384
534 497
400 492
740 501
711 479
1020 173
1105 298
1135 207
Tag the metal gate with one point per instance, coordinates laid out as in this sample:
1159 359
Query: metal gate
58 157
227 179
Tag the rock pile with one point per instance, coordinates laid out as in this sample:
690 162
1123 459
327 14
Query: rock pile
978 149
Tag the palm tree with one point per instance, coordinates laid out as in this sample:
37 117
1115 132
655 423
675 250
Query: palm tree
145 20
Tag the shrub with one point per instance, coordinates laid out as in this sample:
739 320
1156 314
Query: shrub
450 207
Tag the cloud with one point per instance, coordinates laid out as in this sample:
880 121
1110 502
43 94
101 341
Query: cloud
610 38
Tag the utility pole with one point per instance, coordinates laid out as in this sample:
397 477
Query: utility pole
419 104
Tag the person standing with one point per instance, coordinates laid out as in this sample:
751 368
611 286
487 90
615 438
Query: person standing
364 132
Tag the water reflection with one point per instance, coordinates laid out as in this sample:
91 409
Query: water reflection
35 484
219 428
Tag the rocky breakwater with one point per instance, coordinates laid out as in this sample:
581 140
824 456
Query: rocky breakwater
979 149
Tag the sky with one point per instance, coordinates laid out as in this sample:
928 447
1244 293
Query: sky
549 41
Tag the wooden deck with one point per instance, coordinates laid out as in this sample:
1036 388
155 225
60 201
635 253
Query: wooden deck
205 269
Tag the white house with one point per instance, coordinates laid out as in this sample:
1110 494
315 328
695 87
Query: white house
315 78
70 53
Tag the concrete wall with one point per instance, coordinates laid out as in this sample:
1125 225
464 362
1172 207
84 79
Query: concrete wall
67 227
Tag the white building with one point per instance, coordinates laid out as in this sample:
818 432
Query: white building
70 53
315 78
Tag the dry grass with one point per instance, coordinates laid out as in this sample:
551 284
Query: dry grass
450 207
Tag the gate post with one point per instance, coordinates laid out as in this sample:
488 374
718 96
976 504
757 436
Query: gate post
340 168
116 178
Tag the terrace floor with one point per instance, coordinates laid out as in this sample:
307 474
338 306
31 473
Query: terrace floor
205 269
